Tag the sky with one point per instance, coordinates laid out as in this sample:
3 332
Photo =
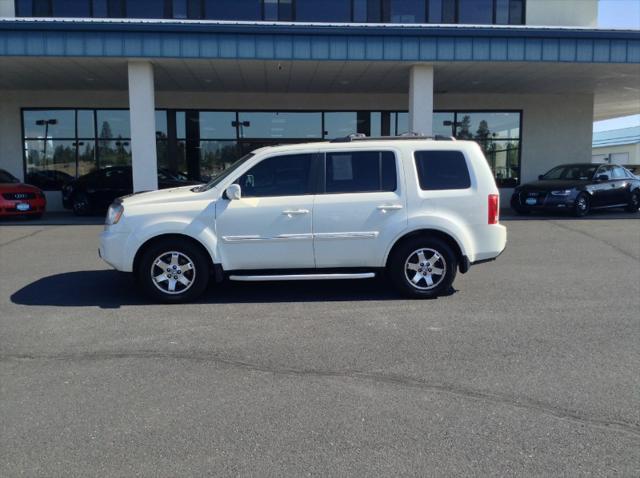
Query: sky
618 14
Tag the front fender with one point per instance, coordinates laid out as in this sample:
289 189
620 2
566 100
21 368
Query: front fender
197 229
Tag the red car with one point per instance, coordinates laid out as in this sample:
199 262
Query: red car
18 199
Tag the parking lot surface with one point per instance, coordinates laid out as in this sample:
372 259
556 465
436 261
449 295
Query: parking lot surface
531 367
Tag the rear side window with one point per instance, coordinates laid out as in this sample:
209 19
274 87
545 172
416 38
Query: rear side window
439 170
360 171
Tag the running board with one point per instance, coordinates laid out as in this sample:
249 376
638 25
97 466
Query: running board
258 278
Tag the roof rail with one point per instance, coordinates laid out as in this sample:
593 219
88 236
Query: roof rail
405 136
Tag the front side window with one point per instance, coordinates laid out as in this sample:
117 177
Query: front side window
360 171
288 175
438 170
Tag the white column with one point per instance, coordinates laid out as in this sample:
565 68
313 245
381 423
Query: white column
143 126
7 8
421 99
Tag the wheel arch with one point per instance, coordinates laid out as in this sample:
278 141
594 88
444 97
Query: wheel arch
463 261
167 236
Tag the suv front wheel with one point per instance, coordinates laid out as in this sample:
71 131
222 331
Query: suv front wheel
173 271
423 268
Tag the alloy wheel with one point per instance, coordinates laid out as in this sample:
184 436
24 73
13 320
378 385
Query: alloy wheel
173 272
425 268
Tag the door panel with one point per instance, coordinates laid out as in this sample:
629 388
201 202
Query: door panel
361 211
270 227
265 233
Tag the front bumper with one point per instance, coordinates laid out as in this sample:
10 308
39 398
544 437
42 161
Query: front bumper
113 251
542 201
9 207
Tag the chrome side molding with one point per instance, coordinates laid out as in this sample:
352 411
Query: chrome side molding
274 277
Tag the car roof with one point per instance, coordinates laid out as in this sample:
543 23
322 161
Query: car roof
367 144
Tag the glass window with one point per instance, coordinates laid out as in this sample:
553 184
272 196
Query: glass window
324 11
216 156
406 11
484 126
233 9
617 172
364 171
449 11
399 123
443 123
187 9
280 125
86 157
477 12
367 11
52 123
113 124
502 12
217 125
278 176
161 124
516 12
114 153
435 11
278 10
340 124
145 9
86 124
439 170
51 163
504 161
71 8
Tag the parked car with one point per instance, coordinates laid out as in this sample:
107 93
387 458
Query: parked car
579 188
419 209
48 180
19 199
94 191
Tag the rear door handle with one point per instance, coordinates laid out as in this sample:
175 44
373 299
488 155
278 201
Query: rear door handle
295 212
389 207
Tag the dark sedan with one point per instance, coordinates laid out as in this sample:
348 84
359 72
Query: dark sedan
94 192
579 188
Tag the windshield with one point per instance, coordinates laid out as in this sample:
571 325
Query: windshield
5 177
224 174
572 171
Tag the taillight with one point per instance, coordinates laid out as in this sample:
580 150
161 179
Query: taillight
494 208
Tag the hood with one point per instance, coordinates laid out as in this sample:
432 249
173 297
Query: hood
554 185
180 194
18 187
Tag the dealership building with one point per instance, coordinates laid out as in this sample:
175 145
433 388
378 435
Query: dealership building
188 86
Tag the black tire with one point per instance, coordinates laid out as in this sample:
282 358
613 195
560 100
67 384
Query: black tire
419 287
582 205
165 250
634 202
80 204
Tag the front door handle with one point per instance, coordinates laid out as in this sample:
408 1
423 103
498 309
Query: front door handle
389 207
294 212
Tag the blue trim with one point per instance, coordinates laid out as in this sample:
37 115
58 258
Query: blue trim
212 40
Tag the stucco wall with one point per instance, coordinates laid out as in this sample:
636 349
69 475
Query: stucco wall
576 13
555 128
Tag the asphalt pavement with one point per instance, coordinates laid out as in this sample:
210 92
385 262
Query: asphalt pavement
529 368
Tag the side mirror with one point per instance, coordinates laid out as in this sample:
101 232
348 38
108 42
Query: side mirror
540 176
602 177
233 192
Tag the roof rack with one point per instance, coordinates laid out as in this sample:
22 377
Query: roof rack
405 136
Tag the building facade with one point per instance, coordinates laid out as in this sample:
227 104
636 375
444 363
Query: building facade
617 146
188 86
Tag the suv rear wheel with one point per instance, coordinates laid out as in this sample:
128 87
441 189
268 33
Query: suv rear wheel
423 267
173 271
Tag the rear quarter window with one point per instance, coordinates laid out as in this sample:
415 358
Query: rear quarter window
438 170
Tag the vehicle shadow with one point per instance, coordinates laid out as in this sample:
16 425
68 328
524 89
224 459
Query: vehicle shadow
110 289
597 215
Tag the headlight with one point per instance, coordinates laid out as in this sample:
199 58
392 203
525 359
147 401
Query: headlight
564 192
114 214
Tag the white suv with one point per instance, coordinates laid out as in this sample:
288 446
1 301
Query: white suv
418 209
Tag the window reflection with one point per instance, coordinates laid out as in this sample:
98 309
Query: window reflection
280 125
325 11
233 9
406 11
337 125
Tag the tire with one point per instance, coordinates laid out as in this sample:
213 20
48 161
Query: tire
634 202
167 264
582 205
80 204
411 267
